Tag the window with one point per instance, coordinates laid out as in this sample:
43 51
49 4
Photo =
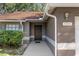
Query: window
1 27
12 27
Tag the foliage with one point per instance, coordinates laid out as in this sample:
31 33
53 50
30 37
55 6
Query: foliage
10 38
4 54
12 7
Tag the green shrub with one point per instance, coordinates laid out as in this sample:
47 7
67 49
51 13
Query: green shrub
1 37
10 38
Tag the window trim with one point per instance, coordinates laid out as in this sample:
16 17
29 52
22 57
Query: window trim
12 26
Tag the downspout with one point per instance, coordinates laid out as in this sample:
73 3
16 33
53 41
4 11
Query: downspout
21 25
53 16
21 29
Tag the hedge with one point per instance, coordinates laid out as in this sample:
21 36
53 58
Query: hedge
10 38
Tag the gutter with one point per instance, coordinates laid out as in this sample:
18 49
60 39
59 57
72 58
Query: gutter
54 17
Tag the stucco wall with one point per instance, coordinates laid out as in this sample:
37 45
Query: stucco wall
50 34
66 34
50 28
43 29
26 29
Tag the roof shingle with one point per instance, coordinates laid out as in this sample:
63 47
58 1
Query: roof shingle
21 15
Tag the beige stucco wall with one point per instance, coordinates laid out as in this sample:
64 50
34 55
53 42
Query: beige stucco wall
66 34
26 29
43 30
50 28
50 33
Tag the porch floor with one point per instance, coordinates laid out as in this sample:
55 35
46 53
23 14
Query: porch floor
38 49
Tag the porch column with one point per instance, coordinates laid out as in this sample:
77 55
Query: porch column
26 32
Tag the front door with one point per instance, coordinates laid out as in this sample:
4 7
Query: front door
38 32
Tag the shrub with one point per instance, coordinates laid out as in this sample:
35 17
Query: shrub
10 38
1 37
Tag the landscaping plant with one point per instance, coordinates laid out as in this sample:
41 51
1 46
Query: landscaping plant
10 38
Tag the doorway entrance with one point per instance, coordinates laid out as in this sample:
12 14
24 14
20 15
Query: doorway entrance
38 32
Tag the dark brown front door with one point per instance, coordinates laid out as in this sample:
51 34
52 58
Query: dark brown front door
38 32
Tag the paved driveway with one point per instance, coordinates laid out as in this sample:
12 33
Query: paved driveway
38 49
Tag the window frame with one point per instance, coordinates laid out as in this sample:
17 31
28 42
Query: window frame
12 26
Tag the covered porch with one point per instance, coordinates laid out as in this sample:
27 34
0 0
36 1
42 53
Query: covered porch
40 38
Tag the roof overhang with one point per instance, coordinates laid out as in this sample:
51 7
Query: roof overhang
20 16
25 20
51 6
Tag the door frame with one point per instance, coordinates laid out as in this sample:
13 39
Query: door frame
35 31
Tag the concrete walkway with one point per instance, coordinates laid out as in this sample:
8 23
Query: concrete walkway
38 49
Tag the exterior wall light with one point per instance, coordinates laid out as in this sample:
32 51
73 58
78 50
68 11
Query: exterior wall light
66 15
40 19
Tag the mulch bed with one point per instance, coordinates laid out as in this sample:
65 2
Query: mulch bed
13 51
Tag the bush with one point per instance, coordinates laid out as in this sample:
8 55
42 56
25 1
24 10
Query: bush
1 37
10 38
